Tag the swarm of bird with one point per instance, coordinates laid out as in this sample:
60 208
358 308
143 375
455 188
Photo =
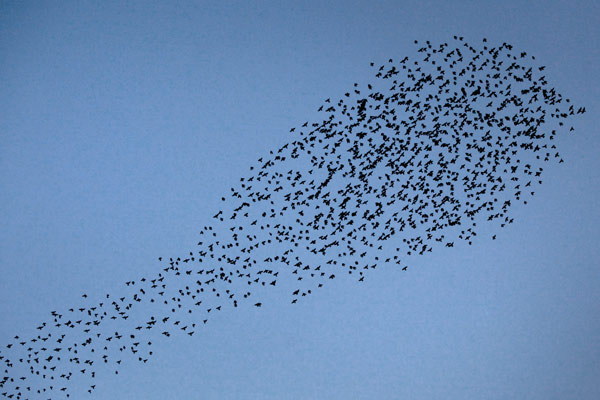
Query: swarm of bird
413 161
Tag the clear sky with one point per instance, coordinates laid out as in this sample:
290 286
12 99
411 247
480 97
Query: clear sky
123 124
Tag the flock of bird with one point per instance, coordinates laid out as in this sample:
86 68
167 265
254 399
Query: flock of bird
412 161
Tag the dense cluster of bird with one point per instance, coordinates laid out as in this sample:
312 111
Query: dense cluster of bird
400 166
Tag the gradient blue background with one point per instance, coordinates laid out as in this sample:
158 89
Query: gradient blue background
122 124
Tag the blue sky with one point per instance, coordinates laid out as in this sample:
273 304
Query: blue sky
122 125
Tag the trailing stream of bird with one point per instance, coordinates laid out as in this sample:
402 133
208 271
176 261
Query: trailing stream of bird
435 146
